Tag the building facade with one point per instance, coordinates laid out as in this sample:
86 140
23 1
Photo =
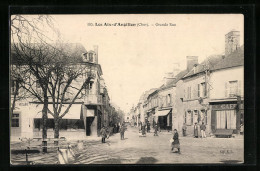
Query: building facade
84 116
212 92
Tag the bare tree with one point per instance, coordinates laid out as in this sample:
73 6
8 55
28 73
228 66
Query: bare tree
27 34
52 73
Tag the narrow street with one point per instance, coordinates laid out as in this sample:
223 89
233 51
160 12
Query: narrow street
150 150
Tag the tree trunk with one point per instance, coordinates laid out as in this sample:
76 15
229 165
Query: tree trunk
56 130
44 124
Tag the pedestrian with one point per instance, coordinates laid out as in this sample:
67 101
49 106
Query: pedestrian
140 127
176 142
155 130
148 126
122 132
103 133
203 129
196 133
143 130
184 128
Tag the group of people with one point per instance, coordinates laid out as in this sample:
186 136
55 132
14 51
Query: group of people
143 128
105 133
199 130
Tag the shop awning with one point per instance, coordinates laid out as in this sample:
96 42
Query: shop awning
162 113
73 113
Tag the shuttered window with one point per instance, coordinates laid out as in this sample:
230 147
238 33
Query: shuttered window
233 88
195 116
15 120
189 118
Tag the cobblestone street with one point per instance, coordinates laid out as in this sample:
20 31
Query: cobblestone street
150 149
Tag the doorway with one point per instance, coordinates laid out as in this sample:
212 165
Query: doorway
89 121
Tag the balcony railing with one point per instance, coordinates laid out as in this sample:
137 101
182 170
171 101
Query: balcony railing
93 99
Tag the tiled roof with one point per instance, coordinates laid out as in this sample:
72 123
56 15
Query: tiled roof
234 59
70 49
215 62
209 62
174 81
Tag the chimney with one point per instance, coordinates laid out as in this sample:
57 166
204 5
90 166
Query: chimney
96 51
176 68
168 77
191 61
232 42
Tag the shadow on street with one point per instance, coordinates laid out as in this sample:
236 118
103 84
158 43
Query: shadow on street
146 160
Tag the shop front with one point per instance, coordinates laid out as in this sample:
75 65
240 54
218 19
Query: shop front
163 118
92 118
226 115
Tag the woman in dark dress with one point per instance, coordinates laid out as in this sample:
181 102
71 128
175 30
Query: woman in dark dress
176 142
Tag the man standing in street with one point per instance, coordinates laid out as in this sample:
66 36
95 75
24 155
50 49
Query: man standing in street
155 130
103 134
148 126
122 131
203 129
196 132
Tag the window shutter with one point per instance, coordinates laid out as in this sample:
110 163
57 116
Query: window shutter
184 117
194 92
198 90
226 89
239 91
206 118
191 117
199 117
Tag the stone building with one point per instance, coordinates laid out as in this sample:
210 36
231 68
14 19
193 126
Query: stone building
83 118
212 91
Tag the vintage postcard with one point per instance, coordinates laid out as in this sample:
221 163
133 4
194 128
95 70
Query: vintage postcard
126 89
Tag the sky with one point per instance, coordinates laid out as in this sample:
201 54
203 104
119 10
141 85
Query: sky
135 59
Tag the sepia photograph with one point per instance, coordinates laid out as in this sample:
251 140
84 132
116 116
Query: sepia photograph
91 89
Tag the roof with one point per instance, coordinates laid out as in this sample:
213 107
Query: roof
233 60
208 63
216 62
74 50
174 81
147 93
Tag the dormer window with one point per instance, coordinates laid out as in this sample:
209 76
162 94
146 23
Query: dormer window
85 57
90 57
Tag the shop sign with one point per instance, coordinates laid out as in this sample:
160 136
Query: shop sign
224 106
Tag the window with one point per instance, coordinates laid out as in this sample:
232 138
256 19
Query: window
15 120
90 57
204 90
38 87
64 124
233 88
189 118
195 116
198 90
12 87
226 119
168 99
189 93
